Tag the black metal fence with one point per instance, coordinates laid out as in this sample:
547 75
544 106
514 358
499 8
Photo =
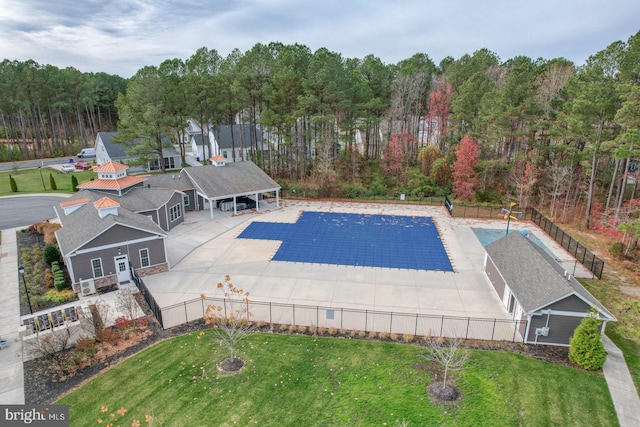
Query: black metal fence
575 248
426 325
148 297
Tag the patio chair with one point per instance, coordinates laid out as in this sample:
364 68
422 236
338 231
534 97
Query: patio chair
4 344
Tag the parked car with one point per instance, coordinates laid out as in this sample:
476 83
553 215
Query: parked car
67 168
87 152
242 203
83 165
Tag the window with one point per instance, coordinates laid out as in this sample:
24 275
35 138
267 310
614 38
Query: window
185 200
175 212
144 257
224 154
169 163
154 165
96 265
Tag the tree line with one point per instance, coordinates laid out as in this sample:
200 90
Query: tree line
46 111
544 132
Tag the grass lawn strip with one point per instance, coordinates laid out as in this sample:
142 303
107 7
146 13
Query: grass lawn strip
302 380
29 181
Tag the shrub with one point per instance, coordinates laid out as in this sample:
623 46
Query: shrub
74 183
302 329
408 338
384 335
48 277
332 331
585 346
321 330
50 254
393 336
373 335
83 344
59 284
313 329
122 323
58 296
52 182
292 329
142 322
13 184
362 334
617 250
283 327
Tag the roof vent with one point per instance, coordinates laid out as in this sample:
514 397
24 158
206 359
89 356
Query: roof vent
569 277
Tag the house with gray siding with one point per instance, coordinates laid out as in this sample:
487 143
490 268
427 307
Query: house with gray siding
535 289
101 242
107 150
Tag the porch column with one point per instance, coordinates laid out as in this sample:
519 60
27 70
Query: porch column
257 202
211 208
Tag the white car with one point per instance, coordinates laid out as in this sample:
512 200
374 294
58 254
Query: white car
67 168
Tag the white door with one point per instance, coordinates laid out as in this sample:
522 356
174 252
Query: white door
122 268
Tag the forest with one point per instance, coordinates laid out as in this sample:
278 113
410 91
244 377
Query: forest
537 132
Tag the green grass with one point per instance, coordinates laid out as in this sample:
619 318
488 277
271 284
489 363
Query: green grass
29 181
311 381
625 332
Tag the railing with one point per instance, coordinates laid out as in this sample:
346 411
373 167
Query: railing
575 248
148 297
426 325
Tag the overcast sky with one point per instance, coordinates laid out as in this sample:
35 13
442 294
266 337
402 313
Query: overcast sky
122 36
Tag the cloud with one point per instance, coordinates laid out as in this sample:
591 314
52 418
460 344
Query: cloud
122 36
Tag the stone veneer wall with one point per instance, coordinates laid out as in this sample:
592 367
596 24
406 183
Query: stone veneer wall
154 269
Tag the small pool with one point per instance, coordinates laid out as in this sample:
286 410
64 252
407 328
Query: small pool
490 235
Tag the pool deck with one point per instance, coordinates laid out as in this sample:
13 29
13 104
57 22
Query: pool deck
202 251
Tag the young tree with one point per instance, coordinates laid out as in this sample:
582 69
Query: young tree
451 357
13 184
464 174
126 303
52 182
74 183
586 348
231 321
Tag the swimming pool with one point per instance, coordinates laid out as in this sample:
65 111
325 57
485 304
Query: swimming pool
388 241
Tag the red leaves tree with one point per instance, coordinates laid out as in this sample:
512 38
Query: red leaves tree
464 173
397 155
439 106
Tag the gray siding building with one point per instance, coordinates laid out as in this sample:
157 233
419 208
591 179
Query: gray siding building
534 288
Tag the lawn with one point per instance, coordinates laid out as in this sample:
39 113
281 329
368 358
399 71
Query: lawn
312 381
30 181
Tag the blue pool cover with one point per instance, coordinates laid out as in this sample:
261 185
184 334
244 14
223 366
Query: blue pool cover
355 239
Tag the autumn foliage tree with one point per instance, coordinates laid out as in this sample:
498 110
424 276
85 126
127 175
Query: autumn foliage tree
397 156
464 173
438 115
231 321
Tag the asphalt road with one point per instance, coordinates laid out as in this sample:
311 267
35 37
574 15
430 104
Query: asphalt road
28 164
24 211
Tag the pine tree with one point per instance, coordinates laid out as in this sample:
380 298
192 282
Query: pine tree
586 348
74 183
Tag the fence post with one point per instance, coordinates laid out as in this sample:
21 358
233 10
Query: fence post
391 322
415 333
317 315
466 334
186 317
493 332
270 318
293 310
515 330
366 319
341 317
441 325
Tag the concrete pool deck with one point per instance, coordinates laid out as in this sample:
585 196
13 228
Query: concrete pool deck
202 251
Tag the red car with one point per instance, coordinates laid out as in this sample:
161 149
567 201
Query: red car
81 164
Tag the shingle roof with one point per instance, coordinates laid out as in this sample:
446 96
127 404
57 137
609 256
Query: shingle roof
85 224
117 151
533 276
178 181
141 199
233 179
199 138
241 135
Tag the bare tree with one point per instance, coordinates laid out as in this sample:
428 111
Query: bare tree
126 303
449 355
231 321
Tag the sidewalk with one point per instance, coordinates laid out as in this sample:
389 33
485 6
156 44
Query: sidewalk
621 387
11 369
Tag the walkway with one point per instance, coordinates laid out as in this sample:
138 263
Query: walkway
623 392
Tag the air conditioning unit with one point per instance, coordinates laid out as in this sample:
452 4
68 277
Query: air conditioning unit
542 332
87 287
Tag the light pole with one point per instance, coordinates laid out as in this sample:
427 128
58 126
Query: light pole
26 291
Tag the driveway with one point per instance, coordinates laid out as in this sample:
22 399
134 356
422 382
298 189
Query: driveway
22 211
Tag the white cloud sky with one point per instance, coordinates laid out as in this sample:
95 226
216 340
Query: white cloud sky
122 36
